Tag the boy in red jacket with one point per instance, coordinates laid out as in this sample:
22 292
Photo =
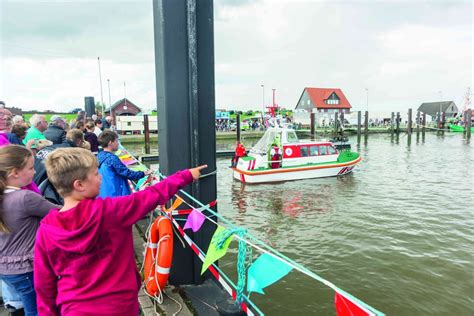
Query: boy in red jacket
84 262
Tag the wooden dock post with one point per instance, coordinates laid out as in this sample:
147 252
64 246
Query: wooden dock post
392 123
366 122
409 122
467 125
238 128
418 123
398 123
423 124
336 123
313 127
342 123
359 122
146 126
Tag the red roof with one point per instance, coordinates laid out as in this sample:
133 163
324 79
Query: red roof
319 95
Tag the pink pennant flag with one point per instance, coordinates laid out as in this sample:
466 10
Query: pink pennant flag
195 220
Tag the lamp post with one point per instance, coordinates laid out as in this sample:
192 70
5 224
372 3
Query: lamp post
367 91
100 79
110 99
263 98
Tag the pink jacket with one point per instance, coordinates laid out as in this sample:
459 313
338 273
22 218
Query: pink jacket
84 262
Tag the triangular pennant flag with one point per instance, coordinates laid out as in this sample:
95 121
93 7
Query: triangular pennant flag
345 307
176 203
214 253
194 221
264 271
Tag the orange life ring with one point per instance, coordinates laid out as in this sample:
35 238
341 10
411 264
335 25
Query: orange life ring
158 256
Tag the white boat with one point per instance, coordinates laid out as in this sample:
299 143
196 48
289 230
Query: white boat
280 156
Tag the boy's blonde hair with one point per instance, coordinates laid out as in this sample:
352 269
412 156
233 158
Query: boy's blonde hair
66 165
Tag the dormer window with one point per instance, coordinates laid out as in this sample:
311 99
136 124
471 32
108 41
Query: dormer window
333 99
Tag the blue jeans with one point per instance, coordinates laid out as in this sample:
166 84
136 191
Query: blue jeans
23 285
11 297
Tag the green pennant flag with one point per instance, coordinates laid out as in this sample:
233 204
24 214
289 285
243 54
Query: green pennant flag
214 252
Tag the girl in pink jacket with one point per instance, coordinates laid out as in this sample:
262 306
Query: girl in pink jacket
84 262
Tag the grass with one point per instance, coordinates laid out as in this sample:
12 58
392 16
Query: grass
68 117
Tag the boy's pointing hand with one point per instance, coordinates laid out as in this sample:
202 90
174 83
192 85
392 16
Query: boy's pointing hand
196 172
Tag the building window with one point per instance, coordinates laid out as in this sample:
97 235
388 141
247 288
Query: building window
129 123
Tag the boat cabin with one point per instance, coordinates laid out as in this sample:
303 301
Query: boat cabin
294 152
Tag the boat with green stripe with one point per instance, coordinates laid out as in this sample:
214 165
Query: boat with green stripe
281 156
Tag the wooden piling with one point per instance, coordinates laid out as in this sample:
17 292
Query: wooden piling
366 122
146 127
409 122
398 123
423 124
336 123
359 122
238 128
313 122
342 123
418 123
392 123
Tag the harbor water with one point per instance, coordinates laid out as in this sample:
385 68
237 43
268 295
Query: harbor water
397 233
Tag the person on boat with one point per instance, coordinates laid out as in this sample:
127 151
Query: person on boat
84 259
112 170
240 151
274 154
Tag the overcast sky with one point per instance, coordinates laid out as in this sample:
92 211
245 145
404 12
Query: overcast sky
403 52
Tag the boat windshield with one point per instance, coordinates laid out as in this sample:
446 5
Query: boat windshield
265 142
291 137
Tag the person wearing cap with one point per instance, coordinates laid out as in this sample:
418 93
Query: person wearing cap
55 131
38 126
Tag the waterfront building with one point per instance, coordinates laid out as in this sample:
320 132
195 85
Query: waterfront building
323 100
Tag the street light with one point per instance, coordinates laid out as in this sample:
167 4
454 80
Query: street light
263 98
367 90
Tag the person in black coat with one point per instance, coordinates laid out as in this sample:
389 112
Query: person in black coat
55 131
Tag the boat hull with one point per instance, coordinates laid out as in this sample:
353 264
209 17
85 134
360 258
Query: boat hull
296 173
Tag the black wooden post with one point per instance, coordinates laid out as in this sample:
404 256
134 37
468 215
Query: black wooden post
392 123
342 123
238 127
336 123
359 122
146 127
409 122
184 68
366 123
398 123
418 122
423 124
313 122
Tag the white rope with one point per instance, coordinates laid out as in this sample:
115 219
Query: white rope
176 301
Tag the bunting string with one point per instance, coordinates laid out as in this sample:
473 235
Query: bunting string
264 248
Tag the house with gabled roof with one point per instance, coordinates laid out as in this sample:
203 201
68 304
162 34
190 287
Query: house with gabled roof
123 107
323 100
433 108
